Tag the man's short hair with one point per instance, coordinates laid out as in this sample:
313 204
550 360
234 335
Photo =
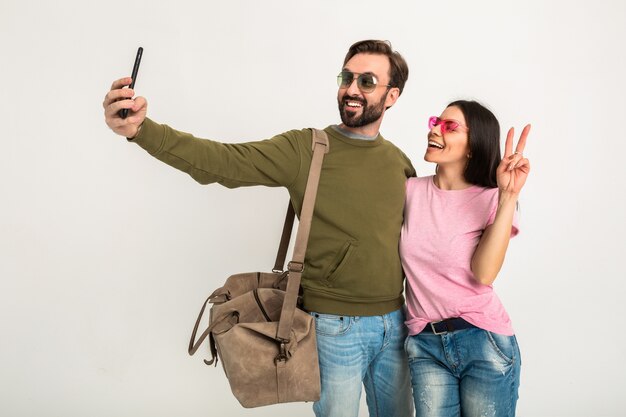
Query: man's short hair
398 68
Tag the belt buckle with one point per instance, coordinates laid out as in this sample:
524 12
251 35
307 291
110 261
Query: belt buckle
432 326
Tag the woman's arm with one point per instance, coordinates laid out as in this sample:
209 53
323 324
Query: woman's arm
512 173
489 255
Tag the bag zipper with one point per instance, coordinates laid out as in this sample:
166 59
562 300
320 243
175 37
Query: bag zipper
258 301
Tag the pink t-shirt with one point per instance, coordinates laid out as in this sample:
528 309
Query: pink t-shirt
440 233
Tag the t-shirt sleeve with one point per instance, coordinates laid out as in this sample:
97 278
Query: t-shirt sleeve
492 215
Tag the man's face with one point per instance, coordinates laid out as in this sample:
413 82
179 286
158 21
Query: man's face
358 108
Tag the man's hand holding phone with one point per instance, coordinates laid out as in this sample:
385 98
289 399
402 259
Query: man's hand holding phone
123 113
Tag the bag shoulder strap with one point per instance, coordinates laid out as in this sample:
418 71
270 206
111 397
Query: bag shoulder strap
321 147
279 265
319 136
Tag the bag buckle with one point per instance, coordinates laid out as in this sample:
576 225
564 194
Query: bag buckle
298 265
282 354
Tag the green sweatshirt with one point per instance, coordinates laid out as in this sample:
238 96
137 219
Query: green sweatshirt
352 264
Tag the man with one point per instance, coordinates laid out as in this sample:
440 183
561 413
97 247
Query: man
353 281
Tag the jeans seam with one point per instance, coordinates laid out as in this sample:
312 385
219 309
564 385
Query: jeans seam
459 364
374 391
511 393
444 345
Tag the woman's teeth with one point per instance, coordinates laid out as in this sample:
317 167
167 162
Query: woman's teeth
435 144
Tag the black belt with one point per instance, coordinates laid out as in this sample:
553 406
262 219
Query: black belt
447 325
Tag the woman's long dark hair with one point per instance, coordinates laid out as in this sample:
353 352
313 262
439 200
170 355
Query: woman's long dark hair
484 142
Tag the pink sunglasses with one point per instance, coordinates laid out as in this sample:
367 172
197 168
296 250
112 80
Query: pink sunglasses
446 125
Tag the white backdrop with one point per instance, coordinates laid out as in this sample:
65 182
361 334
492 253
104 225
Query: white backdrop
106 254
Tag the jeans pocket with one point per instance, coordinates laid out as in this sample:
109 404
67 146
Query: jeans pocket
504 346
330 324
413 350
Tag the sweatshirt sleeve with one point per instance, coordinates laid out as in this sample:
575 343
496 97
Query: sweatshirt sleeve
272 162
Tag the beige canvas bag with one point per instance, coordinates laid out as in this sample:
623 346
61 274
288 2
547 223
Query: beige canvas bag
266 344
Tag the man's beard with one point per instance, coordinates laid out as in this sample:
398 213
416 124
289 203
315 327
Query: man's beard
369 115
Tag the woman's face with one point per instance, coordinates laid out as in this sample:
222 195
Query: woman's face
448 144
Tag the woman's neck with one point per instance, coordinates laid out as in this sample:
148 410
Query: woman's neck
450 179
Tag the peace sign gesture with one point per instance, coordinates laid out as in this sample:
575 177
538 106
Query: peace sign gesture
514 168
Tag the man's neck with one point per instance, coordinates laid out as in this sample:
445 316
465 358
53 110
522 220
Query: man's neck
350 133
371 130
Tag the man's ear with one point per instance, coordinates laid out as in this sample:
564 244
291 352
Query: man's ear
392 97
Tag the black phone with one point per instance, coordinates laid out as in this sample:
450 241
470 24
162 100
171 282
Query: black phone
124 112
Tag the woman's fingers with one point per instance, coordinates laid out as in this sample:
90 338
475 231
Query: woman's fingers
513 160
523 165
521 144
508 145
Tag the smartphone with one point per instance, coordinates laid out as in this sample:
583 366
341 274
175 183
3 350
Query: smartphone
124 112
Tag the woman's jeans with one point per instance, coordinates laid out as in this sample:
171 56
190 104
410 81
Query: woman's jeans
470 372
362 350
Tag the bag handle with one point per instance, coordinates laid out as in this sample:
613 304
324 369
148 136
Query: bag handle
296 266
194 345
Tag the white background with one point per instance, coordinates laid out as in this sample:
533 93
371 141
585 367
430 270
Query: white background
106 254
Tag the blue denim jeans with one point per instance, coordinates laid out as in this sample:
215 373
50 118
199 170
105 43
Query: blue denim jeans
467 373
358 350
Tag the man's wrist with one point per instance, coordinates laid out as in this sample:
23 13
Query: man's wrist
136 133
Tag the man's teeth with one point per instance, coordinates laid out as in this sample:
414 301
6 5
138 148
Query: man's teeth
354 104
435 144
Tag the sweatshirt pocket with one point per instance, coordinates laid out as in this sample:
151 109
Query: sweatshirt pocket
340 262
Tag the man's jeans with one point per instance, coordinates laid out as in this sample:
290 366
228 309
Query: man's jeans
469 372
362 350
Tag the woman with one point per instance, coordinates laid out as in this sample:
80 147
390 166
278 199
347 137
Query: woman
462 351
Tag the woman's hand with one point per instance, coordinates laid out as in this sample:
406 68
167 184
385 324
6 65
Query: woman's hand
514 168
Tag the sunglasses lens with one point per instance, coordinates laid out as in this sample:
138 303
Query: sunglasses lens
344 79
367 83
449 126
433 121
